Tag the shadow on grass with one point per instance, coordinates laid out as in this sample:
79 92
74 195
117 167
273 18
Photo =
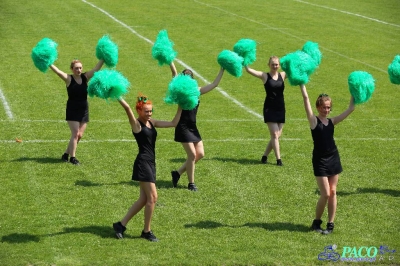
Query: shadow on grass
39 160
161 184
390 192
280 226
101 231
20 238
206 225
236 160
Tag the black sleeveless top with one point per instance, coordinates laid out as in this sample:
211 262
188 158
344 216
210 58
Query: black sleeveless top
274 90
146 141
77 92
324 143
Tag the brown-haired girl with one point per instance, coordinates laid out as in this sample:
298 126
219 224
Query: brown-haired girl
144 167
325 159
274 105
77 110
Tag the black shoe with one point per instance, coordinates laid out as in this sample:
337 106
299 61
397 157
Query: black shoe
64 157
192 187
264 159
316 226
175 178
149 236
279 162
119 230
329 229
73 160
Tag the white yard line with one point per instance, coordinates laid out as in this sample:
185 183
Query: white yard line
6 106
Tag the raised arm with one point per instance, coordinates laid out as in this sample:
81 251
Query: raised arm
172 123
258 74
215 83
346 113
173 69
98 66
312 119
135 125
61 74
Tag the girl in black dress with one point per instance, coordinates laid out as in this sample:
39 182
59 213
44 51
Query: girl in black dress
144 167
274 105
186 132
325 159
77 110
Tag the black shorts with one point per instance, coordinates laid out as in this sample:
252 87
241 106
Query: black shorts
144 171
327 165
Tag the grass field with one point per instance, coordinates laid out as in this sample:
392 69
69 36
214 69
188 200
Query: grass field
245 213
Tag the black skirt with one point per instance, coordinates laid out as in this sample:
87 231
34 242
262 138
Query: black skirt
77 111
274 116
327 165
144 171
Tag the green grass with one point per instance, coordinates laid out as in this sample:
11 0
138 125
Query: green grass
245 213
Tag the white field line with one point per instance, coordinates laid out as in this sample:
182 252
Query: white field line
179 61
349 13
6 106
291 35
235 140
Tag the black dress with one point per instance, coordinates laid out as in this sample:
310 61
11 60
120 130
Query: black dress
186 131
144 167
77 105
326 159
274 104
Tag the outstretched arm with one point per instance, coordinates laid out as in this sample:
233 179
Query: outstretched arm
61 74
312 119
98 66
173 69
172 123
258 74
135 125
342 116
215 83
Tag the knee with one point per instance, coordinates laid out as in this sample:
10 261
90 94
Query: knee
152 199
199 155
80 135
332 192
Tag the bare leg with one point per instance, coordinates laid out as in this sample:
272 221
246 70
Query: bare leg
275 131
77 130
136 207
194 152
332 201
323 185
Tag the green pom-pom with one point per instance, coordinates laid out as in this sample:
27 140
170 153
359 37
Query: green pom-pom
311 48
107 50
246 48
231 62
108 84
162 49
394 70
44 54
184 91
298 67
361 86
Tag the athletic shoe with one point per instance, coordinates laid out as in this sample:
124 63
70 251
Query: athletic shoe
329 229
316 226
73 160
175 178
119 230
192 187
64 157
279 162
264 159
149 236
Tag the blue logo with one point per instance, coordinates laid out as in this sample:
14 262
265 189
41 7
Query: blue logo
329 254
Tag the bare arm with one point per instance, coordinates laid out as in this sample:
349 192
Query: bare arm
312 119
135 125
61 74
173 69
215 83
172 123
98 66
342 116
258 74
